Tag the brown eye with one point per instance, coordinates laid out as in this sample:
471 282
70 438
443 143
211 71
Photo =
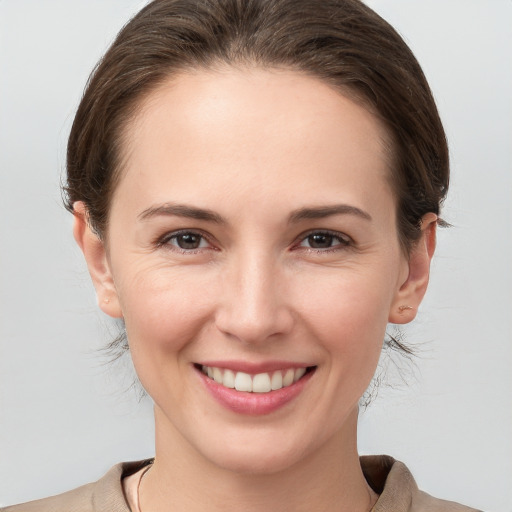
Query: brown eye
187 241
325 240
320 241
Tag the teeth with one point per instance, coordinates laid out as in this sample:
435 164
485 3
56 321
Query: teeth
277 381
243 382
229 379
288 377
217 375
260 383
299 372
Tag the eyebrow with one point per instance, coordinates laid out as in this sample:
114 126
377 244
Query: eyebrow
191 212
326 211
182 210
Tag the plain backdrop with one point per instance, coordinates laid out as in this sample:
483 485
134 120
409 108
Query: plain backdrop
66 416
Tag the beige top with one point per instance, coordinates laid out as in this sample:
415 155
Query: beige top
389 478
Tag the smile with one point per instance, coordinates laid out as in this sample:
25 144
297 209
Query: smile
254 391
258 383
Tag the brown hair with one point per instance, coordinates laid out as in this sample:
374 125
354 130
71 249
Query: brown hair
342 42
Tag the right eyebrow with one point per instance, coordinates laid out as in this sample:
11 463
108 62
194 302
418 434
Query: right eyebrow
182 210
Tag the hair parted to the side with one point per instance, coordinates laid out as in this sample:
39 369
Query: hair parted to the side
342 42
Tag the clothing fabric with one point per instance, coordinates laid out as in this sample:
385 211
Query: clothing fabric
388 478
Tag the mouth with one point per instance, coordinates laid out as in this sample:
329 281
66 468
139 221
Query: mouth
264 382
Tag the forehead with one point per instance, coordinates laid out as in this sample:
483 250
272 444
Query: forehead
254 129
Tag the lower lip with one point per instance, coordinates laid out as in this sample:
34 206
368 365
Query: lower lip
254 404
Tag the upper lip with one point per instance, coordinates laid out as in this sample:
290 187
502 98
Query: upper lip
253 368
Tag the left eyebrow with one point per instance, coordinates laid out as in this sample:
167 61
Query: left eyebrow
321 212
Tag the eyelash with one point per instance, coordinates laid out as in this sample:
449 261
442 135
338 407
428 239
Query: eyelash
343 241
165 240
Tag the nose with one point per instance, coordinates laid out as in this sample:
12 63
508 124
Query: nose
254 306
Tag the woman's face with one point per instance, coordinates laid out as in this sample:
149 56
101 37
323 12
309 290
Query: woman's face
253 232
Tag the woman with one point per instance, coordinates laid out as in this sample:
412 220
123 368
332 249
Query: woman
256 188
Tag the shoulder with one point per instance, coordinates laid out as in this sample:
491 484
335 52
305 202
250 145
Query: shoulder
104 495
398 490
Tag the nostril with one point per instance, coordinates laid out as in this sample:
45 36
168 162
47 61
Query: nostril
253 326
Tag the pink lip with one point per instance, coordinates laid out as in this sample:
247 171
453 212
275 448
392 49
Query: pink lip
253 404
253 368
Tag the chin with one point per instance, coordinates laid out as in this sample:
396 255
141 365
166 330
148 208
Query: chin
256 452
255 462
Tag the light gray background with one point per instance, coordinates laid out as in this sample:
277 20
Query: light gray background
64 418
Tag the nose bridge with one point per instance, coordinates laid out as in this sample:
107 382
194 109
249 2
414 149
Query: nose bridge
253 306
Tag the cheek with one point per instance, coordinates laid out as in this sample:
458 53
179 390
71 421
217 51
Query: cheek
348 316
163 310
348 301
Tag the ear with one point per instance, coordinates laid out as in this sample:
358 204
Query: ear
410 294
97 262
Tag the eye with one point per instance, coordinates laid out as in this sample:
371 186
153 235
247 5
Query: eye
186 240
322 240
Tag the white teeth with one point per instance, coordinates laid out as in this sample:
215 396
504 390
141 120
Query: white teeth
299 372
217 375
277 381
288 378
260 383
243 382
229 379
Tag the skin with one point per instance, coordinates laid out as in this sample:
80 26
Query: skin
254 147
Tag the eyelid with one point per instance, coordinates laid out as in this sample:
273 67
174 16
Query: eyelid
163 240
344 240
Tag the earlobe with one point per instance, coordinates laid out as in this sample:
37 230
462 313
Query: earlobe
412 290
95 255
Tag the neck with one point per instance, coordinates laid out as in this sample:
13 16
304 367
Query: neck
328 480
